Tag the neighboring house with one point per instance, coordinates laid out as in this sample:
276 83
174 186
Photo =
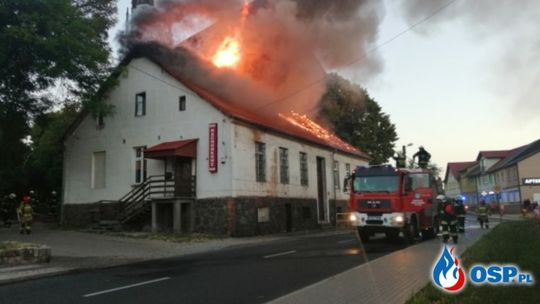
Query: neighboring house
485 182
468 183
452 178
517 176
175 157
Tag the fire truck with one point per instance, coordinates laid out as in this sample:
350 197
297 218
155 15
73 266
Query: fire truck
394 201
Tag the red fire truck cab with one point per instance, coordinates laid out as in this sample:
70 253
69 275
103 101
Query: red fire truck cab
394 201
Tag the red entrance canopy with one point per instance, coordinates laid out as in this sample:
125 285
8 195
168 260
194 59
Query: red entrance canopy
185 148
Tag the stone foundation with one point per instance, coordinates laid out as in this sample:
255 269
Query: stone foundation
239 216
85 214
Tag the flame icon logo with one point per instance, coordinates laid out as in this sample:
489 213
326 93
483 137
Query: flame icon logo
447 274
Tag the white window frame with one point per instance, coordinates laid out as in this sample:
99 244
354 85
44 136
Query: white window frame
139 176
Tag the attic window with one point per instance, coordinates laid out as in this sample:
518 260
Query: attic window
182 103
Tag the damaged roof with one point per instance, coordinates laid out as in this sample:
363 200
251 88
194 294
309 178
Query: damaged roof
272 122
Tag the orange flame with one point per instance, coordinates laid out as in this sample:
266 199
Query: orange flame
227 54
305 123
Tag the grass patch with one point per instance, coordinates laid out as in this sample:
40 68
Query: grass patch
516 242
10 245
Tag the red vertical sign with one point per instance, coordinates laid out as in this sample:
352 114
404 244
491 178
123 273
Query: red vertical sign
212 147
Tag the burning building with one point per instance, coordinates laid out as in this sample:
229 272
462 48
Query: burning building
210 132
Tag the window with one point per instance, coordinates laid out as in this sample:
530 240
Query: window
347 170
376 184
336 174
260 161
303 169
140 165
98 170
418 180
182 103
140 104
283 165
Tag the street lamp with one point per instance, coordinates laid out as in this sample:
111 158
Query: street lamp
405 148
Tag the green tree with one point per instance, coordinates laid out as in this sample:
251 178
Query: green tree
46 45
358 119
44 165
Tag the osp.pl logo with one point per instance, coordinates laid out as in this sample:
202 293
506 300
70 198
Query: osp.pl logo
449 276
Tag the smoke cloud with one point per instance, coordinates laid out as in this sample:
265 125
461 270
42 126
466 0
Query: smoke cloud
514 24
286 46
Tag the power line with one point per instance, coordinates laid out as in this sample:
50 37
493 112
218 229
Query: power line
311 84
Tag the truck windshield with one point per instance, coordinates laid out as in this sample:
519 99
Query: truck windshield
419 180
376 184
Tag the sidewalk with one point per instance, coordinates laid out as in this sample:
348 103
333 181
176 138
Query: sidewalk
75 251
393 278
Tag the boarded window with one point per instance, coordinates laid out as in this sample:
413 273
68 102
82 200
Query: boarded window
336 174
182 103
283 165
260 161
98 170
140 165
303 169
140 104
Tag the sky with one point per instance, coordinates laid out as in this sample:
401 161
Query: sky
465 80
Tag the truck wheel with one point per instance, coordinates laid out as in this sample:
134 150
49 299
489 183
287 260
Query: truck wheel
432 231
363 235
392 235
411 231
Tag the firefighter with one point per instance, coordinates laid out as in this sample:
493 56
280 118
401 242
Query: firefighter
448 219
460 213
25 213
400 160
4 211
423 157
482 212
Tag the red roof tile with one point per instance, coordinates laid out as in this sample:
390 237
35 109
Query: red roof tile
494 154
456 168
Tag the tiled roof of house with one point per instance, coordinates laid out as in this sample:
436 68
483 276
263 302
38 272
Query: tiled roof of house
456 167
493 154
516 155
267 120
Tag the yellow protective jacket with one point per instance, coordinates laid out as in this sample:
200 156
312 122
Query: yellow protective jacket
26 211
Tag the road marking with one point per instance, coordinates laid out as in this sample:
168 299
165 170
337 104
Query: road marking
279 254
346 241
125 287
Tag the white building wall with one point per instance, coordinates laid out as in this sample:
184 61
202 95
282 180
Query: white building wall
243 160
123 131
452 187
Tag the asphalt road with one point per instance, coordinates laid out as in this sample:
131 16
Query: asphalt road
248 274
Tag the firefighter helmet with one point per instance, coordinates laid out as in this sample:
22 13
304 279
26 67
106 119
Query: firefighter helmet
12 195
26 199
441 197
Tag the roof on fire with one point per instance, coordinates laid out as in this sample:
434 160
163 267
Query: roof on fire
274 123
